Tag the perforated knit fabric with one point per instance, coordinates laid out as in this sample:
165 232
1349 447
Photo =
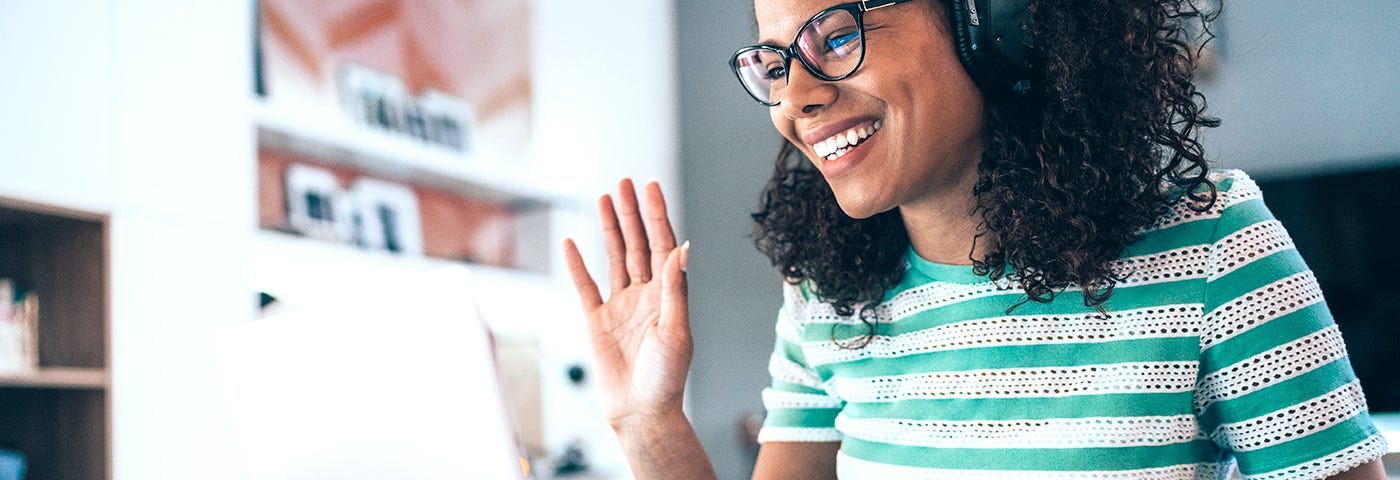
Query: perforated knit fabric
1217 351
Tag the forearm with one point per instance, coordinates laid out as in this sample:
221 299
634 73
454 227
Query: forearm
664 448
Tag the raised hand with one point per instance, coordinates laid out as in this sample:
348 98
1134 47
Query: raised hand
641 334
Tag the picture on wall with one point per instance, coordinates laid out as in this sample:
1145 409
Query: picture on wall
404 64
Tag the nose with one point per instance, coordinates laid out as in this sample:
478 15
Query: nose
805 94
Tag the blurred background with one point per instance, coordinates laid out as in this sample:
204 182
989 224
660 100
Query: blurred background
320 238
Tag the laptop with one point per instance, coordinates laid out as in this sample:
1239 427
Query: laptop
401 384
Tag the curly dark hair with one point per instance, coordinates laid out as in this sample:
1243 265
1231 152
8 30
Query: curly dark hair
1069 176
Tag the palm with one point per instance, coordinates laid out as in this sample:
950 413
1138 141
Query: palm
634 355
640 335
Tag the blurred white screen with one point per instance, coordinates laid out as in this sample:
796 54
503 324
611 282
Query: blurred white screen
397 385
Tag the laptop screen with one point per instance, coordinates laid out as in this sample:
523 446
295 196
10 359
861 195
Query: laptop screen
398 385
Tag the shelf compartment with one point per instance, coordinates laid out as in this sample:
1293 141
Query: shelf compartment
62 256
62 433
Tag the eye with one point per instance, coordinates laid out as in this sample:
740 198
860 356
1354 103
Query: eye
844 42
837 41
775 71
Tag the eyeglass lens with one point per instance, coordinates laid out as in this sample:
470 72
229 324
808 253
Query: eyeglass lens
831 44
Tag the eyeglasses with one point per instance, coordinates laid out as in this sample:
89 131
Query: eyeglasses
831 46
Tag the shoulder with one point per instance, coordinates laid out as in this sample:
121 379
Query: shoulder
1232 189
1236 193
1190 238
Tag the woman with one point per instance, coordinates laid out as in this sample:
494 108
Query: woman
1015 267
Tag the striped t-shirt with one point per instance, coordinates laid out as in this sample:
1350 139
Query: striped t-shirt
1218 348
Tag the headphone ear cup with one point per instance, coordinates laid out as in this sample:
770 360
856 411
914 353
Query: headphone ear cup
964 42
990 37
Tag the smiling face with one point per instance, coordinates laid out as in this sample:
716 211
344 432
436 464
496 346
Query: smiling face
911 111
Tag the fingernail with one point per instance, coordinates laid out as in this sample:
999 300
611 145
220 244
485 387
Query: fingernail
685 255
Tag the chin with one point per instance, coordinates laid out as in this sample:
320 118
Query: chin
860 206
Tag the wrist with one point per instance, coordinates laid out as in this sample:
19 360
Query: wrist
663 445
642 423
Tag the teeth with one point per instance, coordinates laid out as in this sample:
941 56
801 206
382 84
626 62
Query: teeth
836 146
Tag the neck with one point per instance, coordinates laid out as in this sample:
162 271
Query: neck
942 226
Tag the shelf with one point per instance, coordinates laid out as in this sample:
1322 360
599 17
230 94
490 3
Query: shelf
301 270
58 378
395 157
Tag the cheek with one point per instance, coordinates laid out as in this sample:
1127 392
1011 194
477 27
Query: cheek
783 125
777 118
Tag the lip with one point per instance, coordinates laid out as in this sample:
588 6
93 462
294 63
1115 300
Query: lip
813 136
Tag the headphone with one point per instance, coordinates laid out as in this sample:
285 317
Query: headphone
990 37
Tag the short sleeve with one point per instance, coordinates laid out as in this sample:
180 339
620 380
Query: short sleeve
800 408
1276 387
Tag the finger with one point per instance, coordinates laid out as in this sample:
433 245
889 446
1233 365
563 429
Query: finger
583 282
663 239
612 242
638 258
675 313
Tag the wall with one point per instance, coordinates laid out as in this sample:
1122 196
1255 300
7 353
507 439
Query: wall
55 126
605 95
727 150
184 201
1307 87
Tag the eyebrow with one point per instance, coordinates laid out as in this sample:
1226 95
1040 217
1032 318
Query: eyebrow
774 43
769 42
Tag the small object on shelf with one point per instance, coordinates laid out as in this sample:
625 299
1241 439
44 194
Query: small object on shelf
11 465
19 313
316 205
386 217
450 120
381 101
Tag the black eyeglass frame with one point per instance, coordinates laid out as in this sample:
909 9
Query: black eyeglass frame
856 9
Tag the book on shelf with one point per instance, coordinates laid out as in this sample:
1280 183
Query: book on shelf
19 322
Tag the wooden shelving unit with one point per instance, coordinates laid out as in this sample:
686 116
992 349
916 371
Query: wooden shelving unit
59 416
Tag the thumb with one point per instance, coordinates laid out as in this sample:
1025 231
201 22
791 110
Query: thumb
675 312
